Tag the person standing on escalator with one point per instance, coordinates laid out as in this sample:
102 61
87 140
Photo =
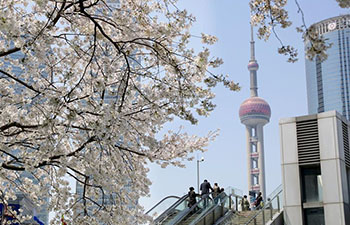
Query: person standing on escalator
216 192
192 197
205 187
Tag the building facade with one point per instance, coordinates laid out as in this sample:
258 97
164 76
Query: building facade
315 164
328 82
254 113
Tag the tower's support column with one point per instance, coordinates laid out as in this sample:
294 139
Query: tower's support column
261 160
249 161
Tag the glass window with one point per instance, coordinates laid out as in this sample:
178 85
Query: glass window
253 132
311 184
254 147
314 216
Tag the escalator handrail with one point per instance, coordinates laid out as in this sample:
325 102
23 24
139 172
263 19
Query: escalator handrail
181 216
210 209
178 218
168 210
170 196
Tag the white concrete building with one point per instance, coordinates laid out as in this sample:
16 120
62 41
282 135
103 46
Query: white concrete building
315 159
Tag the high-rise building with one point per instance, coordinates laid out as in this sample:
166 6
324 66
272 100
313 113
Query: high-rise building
254 113
328 82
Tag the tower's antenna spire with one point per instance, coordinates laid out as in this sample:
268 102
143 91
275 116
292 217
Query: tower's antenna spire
252 44
253 66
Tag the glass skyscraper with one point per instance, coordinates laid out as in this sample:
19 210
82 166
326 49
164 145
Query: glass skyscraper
328 82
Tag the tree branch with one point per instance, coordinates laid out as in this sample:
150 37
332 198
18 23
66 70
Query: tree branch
16 124
10 51
19 81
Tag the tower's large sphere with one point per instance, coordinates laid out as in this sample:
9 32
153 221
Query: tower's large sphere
254 110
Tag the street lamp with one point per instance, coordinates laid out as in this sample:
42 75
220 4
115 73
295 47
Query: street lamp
198 161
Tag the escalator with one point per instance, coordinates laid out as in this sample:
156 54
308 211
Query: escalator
187 215
163 213
205 211
211 212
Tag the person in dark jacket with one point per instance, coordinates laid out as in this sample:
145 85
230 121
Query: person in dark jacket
205 187
258 201
222 195
192 197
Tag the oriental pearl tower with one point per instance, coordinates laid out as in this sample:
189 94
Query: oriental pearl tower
254 113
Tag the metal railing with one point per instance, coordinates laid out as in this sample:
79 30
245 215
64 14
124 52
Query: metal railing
160 202
215 211
204 202
225 207
272 207
180 203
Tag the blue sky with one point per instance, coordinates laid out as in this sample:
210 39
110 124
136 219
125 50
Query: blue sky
281 84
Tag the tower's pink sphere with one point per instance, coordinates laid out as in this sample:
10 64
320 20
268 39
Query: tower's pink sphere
254 106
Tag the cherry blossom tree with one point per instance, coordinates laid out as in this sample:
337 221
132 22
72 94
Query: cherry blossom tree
85 87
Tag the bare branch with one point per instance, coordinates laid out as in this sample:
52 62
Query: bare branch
19 81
